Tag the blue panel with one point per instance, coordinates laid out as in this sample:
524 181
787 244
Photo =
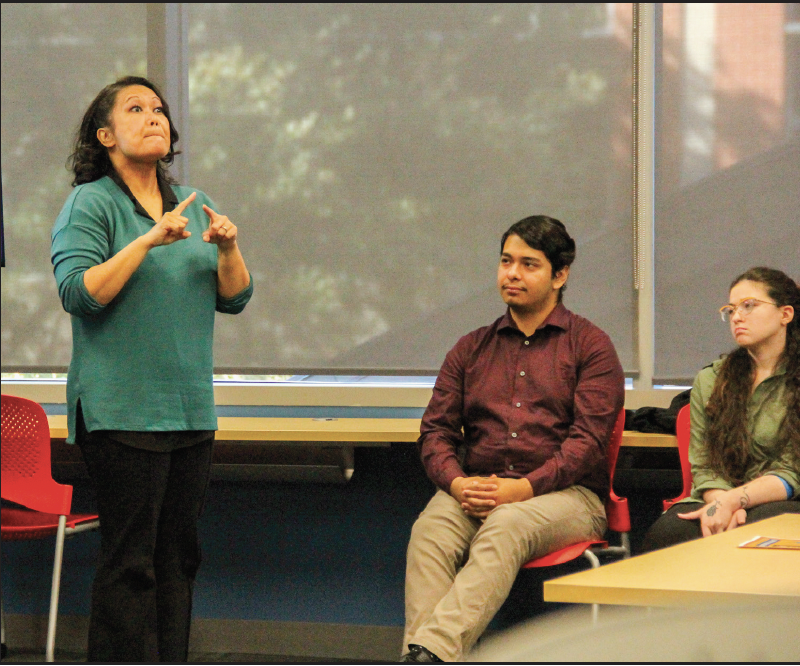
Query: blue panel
271 551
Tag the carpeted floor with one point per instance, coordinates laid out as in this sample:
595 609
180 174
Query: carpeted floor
20 657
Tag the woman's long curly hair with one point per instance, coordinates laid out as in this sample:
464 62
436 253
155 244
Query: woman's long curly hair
727 438
89 160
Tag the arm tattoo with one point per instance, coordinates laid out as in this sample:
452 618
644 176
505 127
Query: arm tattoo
744 500
713 508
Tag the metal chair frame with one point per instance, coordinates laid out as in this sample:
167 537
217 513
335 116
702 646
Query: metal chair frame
27 480
619 521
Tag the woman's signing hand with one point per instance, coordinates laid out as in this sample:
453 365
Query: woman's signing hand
221 231
172 225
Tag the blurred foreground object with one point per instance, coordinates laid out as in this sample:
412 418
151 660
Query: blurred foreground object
753 633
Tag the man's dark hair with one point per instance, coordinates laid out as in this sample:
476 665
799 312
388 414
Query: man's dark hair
89 160
549 236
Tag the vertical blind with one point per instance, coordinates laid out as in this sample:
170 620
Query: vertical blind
728 168
55 59
372 156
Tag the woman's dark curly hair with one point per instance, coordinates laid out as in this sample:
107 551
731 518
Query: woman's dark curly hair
727 439
89 160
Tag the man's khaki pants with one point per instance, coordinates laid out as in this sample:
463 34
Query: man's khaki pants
447 609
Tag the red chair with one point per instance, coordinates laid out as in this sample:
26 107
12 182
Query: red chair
27 480
619 521
683 430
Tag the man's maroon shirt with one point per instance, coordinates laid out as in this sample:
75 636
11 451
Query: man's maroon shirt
540 407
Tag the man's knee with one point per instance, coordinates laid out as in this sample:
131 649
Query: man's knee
441 536
426 532
504 516
422 530
507 523
539 528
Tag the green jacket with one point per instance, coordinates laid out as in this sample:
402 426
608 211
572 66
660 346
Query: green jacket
765 412
144 361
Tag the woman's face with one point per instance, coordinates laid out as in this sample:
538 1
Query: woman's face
139 130
765 323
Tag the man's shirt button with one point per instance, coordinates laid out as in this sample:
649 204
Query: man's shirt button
519 404
511 468
527 342
522 374
513 434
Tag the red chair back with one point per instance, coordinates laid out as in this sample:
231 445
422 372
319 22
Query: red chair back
619 519
27 478
617 513
684 431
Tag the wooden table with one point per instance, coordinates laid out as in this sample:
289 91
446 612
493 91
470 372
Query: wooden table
361 431
708 571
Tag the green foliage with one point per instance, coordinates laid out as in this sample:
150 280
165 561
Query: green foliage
55 59
348 152
347 142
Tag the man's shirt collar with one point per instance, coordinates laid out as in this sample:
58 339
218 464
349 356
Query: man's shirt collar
559 318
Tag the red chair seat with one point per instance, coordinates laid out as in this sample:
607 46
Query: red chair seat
28 482
21 524
619 520
564 555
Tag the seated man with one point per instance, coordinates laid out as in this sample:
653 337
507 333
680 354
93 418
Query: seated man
537 394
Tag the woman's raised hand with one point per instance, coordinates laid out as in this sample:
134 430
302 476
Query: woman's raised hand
172 225
221 231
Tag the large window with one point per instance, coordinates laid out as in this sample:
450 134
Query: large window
373 154
728 168
55 59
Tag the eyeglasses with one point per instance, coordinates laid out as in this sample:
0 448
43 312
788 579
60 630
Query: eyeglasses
744 308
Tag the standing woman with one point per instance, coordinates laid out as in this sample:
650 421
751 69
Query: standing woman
745 416
142 265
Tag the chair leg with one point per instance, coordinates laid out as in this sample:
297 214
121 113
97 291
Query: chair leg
593 559
2 630
626 544
51 623
595 562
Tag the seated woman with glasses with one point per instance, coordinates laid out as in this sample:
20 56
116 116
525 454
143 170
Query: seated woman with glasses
745 416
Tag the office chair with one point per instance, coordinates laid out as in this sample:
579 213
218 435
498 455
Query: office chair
683 430
618 521
27 480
